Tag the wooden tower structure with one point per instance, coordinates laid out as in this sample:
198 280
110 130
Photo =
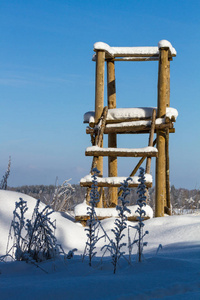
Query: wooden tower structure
110 120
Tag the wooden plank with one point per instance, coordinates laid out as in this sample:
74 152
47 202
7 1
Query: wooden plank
121 152
83 219
108 184
132 129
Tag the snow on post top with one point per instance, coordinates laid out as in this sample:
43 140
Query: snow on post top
167 44
133 51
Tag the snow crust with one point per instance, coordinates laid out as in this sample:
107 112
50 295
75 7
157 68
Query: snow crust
81 210
125 114
137 51
115 180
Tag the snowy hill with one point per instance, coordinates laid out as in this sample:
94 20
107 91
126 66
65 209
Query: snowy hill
173 272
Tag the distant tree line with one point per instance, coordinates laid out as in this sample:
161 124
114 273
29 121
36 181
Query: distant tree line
181 199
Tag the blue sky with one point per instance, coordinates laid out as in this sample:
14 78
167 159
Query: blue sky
47 82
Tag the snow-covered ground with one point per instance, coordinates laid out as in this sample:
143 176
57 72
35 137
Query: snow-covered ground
172 272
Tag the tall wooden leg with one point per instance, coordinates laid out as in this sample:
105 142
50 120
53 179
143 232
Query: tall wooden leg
112 137
168 202
161 111
160 175
99 102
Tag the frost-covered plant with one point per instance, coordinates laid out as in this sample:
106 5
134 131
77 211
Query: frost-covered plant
141 202
4 181
92 222
33 240
61 196
17 226
42 243
115 247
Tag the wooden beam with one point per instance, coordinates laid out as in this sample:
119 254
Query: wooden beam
121 152
131 129
108 184
83 219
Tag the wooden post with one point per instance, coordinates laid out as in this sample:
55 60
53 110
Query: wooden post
168 84
168 202
161 111
99 103
112 137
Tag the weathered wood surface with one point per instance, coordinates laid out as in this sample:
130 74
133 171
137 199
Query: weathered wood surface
151 135
83 219
161 111
109 184
168 202
121 152
98 140
99 85
112 137
132 129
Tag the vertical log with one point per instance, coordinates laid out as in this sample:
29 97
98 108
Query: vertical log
167 173
161 111
168 202
112 137
99 85
99 103
168 84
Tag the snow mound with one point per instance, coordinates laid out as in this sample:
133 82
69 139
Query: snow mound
69 234
82 209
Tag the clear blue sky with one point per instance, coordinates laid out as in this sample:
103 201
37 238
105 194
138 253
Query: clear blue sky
47 82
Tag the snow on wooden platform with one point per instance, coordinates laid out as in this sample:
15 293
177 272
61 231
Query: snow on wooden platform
122 152
115 181
82 209
130 114
134 51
